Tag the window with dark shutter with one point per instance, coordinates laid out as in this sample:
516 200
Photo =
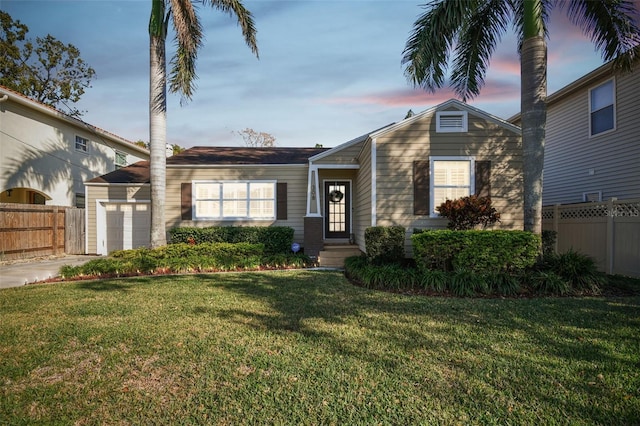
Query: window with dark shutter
421 187
185 201
281 201
483 178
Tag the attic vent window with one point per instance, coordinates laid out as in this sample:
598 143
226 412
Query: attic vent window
451 121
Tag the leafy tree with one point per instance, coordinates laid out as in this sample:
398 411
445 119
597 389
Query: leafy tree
188 38
48 71
469 31
255 139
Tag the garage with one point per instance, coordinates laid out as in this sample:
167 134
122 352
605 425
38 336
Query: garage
126 226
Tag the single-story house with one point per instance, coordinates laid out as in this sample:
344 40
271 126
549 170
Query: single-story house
395 175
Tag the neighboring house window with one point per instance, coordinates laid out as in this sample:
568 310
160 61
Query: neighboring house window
235 200
592 196
451 178
81 144
121 159
451 121
80 201
602 105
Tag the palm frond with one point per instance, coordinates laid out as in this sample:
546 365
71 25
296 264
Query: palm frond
518 22
476 43
244 17
611 26
188 39
433 36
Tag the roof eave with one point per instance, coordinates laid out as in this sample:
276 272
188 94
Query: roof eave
37 106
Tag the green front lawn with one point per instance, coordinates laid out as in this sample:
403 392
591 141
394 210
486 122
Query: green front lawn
304 347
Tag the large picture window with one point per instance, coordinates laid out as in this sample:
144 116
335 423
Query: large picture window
451 178
602 106
235 200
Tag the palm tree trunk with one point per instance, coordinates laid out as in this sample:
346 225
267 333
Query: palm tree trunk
158 139
534 113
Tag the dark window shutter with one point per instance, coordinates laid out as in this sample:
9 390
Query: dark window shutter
281 201
185 201
421 188
483 178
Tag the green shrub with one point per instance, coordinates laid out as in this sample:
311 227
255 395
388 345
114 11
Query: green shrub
384 244
276 239
503 284
579 270
289 260
549 242
547 282
390 276
466 283
467 212
482 252
434 280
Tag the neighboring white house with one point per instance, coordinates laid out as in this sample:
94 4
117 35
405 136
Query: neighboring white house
592 148
46 155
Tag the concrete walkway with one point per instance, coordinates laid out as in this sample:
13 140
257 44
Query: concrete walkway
20 272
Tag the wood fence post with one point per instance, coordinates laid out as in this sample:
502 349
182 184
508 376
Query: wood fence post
54 224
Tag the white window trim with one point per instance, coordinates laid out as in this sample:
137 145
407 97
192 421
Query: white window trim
472 178
615 121
86 144
465 122
194 198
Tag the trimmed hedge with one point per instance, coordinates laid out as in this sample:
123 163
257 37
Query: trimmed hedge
482 252
384 244
276 239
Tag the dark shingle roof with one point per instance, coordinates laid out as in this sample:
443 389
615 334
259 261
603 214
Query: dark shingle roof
209 155
204 155
133 173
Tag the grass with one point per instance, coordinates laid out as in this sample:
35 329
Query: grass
306 347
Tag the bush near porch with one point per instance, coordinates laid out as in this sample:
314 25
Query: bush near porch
478 263
276 239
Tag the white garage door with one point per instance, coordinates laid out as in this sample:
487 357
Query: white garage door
127 226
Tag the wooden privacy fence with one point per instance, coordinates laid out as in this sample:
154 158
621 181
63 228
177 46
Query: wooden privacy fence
28 230
608 231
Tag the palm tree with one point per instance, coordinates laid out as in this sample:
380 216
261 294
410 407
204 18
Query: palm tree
469 31
188 37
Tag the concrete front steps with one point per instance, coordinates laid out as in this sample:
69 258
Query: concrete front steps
333 255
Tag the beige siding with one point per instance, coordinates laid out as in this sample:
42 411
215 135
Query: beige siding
485 140
347 155
112 193
362 196
576 163
294 176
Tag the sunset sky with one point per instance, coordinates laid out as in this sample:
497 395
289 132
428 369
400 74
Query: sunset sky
328 71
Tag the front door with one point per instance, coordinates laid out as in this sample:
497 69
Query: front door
337 209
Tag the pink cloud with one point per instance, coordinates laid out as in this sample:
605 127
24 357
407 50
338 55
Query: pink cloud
493 90
396 98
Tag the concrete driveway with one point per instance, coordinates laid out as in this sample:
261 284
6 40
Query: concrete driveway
20 272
